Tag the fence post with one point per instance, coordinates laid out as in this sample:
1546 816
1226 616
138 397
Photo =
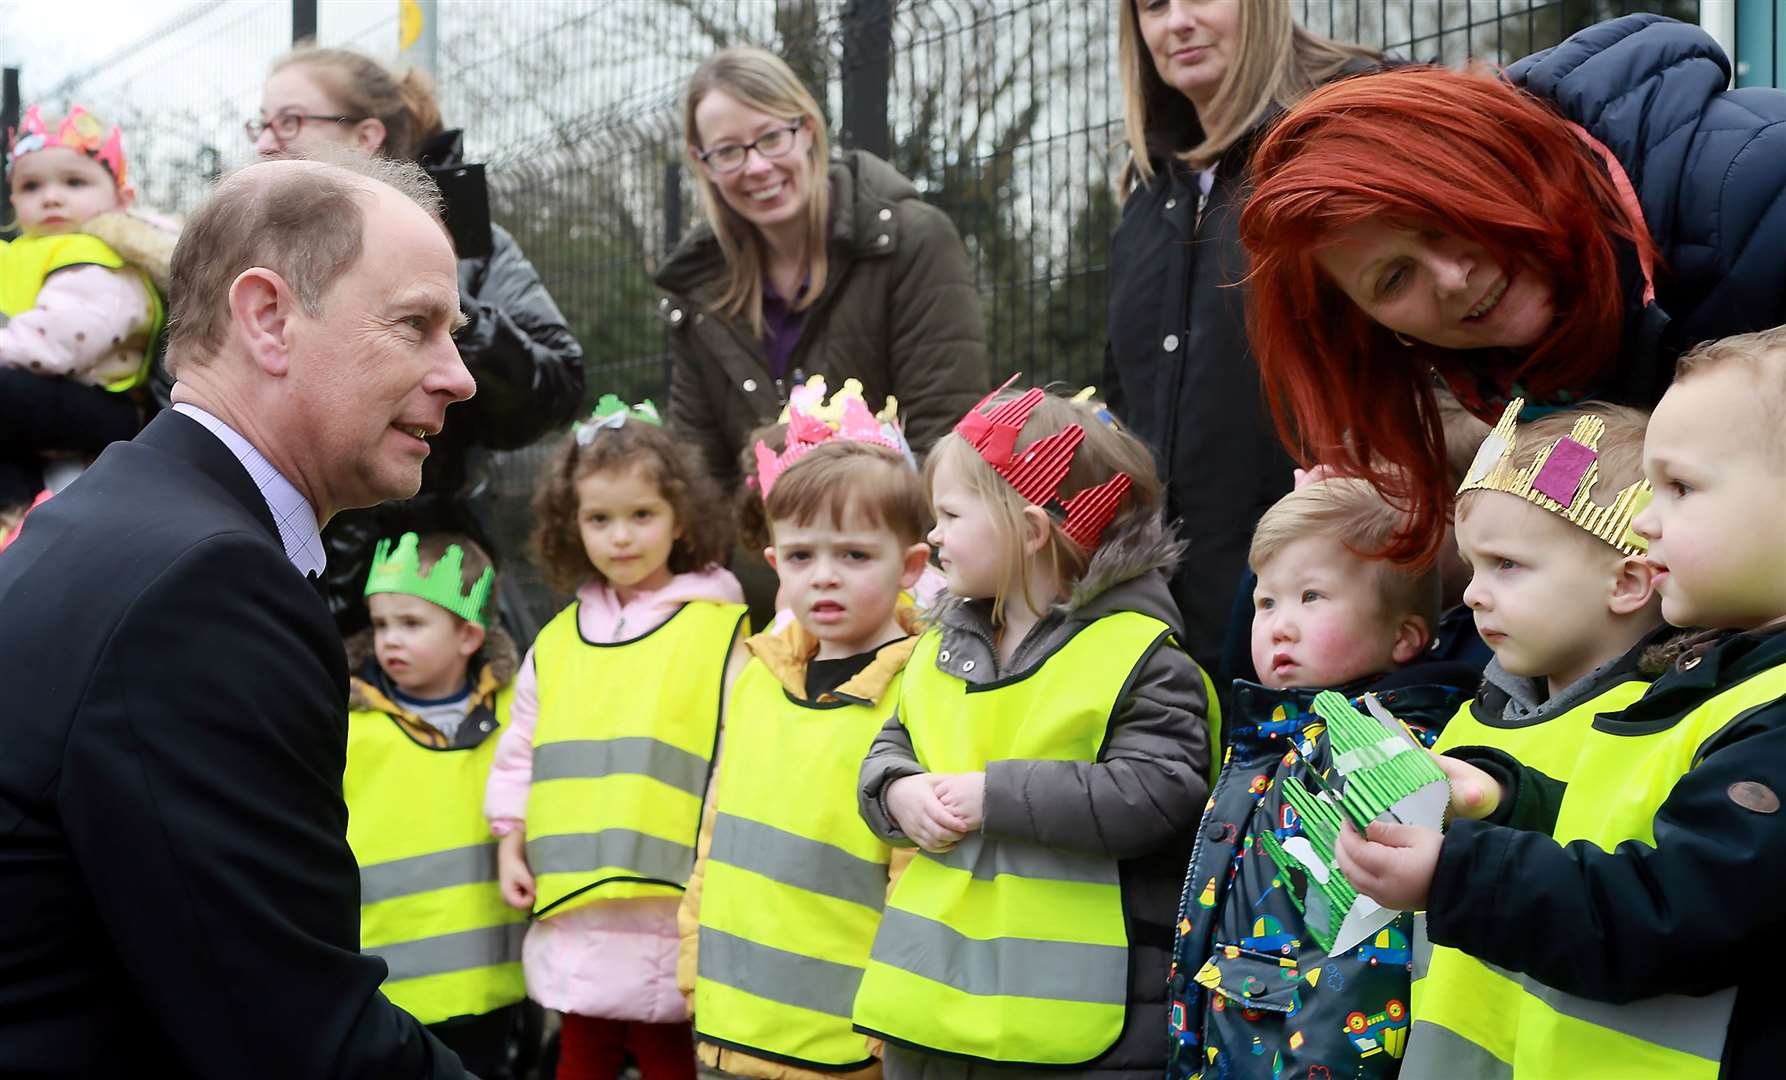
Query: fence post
867 69
9 120
303 20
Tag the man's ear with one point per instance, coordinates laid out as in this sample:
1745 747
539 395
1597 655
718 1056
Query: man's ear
769 555
1633 586
471 637
1037 528
917 557
1412 635
260 306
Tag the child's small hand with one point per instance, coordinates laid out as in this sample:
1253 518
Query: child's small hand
512 871
1474 793
965 794
1394 866
921 815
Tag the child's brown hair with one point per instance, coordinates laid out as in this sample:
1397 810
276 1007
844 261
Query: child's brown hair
703 518
841 479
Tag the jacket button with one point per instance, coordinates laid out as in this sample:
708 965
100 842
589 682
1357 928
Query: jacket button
1170 344
1689 663
485 725
676 315
750 386
1170 203
663 302
882 240
886 214
968 666
943 656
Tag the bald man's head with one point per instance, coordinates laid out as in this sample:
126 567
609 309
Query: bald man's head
303 220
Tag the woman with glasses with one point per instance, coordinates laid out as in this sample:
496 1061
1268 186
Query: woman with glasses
807 265
528 366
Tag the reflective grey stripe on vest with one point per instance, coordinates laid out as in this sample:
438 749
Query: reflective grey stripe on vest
778 975
798 861
446 953
1691 1025
1437 1053
1008 967
644 855
986 859
424 873
586 758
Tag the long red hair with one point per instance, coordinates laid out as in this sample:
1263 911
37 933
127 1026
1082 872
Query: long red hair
1424 147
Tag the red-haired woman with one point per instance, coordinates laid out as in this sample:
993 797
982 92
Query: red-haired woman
1563 234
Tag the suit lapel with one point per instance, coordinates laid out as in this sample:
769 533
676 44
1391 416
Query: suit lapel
185 438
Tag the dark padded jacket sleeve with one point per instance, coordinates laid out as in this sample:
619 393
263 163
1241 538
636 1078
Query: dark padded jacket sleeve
528 366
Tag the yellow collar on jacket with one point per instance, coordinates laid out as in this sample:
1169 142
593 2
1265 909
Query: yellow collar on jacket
788 652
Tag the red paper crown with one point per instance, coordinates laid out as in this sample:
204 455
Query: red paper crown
1036 472
80 131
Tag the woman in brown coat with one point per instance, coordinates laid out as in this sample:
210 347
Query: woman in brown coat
807 266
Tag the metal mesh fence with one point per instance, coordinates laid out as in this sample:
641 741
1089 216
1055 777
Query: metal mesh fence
1005 113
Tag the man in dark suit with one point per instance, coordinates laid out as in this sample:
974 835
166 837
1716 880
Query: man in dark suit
177 897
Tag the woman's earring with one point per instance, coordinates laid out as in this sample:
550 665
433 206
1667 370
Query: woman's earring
1407 343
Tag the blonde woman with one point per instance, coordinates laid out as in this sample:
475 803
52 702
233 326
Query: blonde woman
1200 79
806 265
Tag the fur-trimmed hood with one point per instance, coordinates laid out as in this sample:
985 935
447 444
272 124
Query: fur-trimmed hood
492 668
144 238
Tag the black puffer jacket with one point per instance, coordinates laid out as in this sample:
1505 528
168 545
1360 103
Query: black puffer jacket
1179 372
1709 168
529 372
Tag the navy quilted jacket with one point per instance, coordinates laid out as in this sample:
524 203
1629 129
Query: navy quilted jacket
1709 168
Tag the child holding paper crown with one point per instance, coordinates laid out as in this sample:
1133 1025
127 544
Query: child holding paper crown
1635 905
1561 592
430 691
1048 755
79 293
791 874
599 783
1262 986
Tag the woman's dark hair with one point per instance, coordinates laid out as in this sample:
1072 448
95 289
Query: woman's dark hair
703 519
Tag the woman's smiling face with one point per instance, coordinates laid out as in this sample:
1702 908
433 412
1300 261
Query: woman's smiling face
1437 287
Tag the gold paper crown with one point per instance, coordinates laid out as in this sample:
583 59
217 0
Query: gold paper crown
1560 479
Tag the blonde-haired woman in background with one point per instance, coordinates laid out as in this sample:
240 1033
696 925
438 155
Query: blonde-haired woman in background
1200 79
804 265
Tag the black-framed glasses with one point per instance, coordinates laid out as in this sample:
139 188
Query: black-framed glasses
730 157
286 125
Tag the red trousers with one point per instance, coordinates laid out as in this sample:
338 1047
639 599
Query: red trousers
594 1049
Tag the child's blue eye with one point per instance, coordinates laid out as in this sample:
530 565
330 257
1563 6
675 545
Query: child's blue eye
1309 596
1506 564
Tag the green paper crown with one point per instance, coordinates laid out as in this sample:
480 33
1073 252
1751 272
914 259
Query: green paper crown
399 571
611 412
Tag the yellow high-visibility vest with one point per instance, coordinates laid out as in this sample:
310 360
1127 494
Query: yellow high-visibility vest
1622 778
795 881
26 262
430 903
998 950
1466 1012
622 752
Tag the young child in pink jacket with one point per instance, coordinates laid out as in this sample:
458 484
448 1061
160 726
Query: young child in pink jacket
599 780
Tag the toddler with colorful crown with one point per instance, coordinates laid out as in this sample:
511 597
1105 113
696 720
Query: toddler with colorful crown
779 917
1048 757
78 291
430 693
599 782
1628 906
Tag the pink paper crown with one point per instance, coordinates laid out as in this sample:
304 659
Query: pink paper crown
807 428
80 131
1039 468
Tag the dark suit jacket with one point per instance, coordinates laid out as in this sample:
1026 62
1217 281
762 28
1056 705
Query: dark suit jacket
177 896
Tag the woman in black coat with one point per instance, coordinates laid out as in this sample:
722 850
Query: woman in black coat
1177 367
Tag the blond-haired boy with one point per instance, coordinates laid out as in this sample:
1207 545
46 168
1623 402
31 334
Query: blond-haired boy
1639 931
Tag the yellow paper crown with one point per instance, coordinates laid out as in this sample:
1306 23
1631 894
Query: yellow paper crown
1560 479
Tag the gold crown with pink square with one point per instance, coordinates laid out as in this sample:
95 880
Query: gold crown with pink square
1561 479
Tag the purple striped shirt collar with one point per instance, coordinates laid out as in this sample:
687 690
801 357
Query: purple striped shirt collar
292 513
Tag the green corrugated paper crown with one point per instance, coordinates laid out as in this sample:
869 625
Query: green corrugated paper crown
399 571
